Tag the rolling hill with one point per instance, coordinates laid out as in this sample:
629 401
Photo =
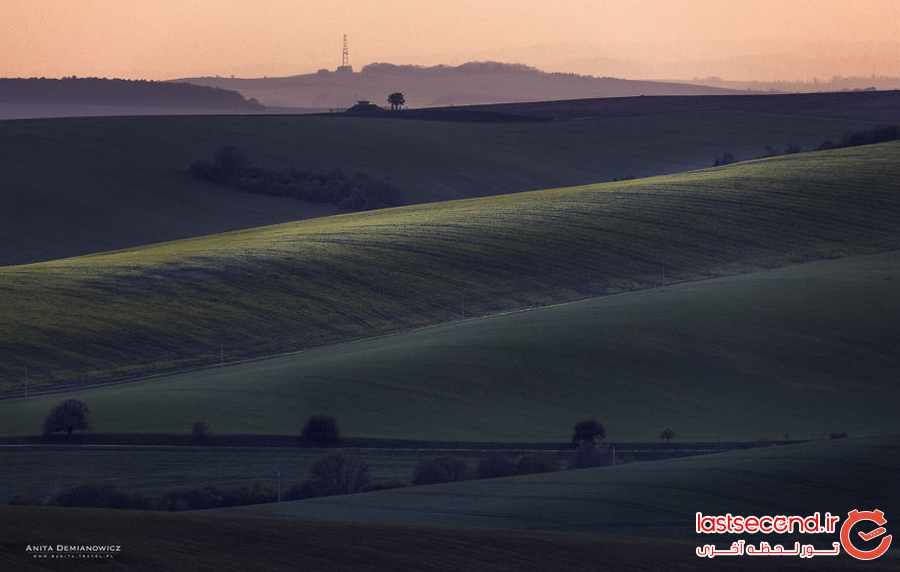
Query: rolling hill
329 279
802 351
315 282
80 186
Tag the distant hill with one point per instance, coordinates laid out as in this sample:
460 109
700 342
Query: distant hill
120 93
837 83
471 83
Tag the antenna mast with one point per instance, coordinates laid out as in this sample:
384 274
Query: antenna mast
345 60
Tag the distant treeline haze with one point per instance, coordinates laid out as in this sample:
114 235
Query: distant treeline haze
98 91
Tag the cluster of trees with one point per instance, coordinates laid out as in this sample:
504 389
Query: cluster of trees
850 139
865 137
230 167
333 474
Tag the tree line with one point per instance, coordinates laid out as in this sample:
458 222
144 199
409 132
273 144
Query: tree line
871 136
231 167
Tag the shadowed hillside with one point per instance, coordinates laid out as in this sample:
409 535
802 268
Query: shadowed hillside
80 186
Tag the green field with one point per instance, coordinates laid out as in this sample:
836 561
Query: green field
326 280
656 498
804 350
79 186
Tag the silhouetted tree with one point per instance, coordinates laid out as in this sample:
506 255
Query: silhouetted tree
321 430
588 430
336 474
588 454
667 434
70 415
396 100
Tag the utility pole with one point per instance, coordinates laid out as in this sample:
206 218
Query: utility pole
26 382
278 474
221 355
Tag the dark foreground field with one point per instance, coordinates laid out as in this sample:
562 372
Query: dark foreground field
181 542
633 517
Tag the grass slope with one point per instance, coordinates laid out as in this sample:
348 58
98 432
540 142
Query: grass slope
656 498
302 284
326 280
77 186
804 350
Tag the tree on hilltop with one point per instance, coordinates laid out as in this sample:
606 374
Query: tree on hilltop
397 101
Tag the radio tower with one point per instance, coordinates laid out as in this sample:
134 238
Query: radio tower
345 58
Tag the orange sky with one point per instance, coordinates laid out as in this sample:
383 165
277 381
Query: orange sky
163 39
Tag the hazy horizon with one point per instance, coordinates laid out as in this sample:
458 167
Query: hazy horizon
763 40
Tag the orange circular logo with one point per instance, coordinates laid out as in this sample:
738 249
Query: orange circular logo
855 517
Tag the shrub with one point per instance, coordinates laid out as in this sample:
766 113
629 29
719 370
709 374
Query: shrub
724 159
70 415
385 486
100 496
841 435
530 464
496 465
231 167
589 455
667 434
588 430
200 431
870 136
321 430
440 470
213 497
336 474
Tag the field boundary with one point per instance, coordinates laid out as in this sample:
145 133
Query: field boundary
251 440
